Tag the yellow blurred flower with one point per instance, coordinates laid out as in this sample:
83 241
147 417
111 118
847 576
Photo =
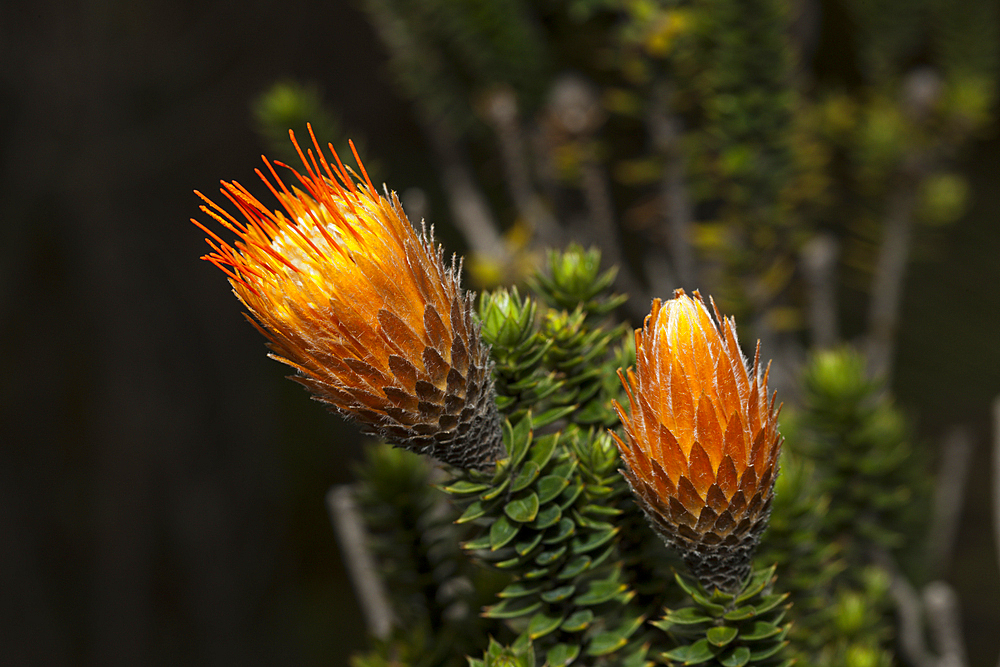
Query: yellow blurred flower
702 442
363 307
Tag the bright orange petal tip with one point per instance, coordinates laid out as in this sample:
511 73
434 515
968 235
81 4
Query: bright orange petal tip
362 306
703 418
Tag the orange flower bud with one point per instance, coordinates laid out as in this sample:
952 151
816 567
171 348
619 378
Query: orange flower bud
702 442
363 308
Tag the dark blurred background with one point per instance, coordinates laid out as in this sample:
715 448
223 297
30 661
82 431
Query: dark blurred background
161 485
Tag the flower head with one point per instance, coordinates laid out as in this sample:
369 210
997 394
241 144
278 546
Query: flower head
363 308
702 442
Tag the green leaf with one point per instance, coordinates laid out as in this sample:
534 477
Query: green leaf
525 476
464 487
530 542
560 533
519 589
598 592
549 487
588 542
597 560
509 563
561 655
578 621
574 567
496 490
736 657
721 635
686 616
549 416
519 440
473 512
604 643
522 510
502 531
551 556
542 624
599 491
558 594
543 449
512 608
759 630
768 652
569 496
547 516
687 585
693 654
601 510
758 580
566 468
478 544
587 522
741 614
538 573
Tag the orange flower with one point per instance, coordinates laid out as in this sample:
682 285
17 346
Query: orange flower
702 440
363 307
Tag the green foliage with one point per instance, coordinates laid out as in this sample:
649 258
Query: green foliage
519 654
865 461
731 630
771 150
546 516
445 54
289 105
558 359
574 281
851 484
433 589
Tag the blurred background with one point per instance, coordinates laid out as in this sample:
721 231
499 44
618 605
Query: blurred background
827 169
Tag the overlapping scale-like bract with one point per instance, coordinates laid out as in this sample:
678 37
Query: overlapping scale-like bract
364 308
701 438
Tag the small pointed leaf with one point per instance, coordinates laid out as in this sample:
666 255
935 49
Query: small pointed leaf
551 556
549 416
472 512
542 624
530 541
560 533
558 594
561 655
525 476
464 487
721 635
574 567
549 487
598 592
522 510
502 531
604 643
547 516
736 657
686 616
692 654
759 630
765 653
578 621
519 589
512 608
